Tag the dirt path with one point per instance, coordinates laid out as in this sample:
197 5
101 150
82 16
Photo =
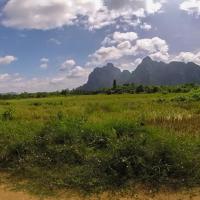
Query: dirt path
6 194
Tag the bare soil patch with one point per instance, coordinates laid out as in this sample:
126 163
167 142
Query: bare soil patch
8 194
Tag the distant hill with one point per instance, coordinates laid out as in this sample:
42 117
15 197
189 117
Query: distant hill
149 72
103 78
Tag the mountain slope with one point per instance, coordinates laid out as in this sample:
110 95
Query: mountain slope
103 78
149 72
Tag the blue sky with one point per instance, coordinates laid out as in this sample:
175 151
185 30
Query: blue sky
48 45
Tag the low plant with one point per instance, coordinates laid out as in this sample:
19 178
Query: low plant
8 114
82 155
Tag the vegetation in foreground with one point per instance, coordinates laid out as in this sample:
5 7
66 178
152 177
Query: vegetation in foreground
101 142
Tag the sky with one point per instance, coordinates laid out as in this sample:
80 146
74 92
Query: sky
49 45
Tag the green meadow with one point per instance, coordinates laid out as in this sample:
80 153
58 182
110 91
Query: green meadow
100 142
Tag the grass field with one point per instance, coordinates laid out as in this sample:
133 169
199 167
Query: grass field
100 142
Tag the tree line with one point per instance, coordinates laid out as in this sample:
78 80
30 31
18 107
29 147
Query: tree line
115 89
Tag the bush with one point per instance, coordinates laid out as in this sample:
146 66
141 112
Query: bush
196 97
88 156
180 99
139 89
8 114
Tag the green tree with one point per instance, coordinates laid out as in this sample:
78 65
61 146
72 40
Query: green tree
114 84
140 89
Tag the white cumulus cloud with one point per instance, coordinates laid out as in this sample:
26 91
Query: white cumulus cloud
77 72
188 57
191 6
44 63
6 60
68 64
146 26
94 14
124 48
118 37
47 14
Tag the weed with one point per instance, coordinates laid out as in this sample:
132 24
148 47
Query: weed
8 114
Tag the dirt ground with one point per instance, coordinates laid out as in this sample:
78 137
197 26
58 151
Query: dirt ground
7 194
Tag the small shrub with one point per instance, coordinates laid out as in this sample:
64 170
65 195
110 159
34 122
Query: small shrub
196 97
139 89
161 100
37 104
60 115
180 99
8 114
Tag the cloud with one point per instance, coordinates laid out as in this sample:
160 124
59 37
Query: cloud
93 14
46 14
128 36
105 54
68 64
44 63
146 26
152 45
6 60
124 45
55 41
191 7
153 6
130 65
122 48
4 77
160 56
72 70
127 12
77 72
18 83
45 60
188 57
149 6
57 80
118 37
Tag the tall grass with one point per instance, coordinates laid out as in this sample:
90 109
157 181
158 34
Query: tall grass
100 142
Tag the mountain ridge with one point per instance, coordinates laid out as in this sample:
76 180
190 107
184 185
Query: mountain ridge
148 72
